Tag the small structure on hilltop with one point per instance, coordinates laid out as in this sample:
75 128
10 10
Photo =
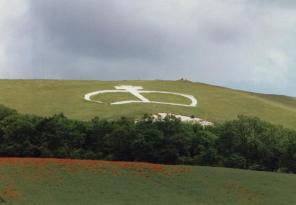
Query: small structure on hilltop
184 79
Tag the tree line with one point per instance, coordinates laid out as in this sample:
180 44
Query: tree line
246 142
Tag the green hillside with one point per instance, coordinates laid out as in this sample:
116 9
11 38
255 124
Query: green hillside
47 97
50 181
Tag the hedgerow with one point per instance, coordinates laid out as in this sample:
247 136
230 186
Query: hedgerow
246 142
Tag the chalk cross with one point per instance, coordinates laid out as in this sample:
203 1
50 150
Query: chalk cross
134 90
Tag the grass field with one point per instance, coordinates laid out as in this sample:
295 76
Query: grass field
47 97
51 181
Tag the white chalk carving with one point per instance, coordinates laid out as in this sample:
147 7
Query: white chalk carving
137 91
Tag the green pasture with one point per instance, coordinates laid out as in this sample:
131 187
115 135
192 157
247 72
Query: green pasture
59 182
47 97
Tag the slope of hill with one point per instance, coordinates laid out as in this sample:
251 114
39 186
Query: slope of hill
47 97
51 181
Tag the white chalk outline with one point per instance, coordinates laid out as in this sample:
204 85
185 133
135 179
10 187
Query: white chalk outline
136 91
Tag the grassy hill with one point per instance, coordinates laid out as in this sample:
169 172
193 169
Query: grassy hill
51 181
47 97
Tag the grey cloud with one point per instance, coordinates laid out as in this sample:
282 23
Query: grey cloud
221 42
98 29
290 4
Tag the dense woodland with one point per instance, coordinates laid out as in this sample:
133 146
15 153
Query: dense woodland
246 142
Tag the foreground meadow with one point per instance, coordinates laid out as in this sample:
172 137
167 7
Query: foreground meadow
58 181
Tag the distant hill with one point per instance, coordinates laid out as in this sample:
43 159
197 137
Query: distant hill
47 97
49 181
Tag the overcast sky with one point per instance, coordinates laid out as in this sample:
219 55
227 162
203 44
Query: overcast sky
245 44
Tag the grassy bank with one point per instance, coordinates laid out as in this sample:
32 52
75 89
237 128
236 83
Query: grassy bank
50 181
47 97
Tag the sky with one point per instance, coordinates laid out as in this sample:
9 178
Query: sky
243 44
